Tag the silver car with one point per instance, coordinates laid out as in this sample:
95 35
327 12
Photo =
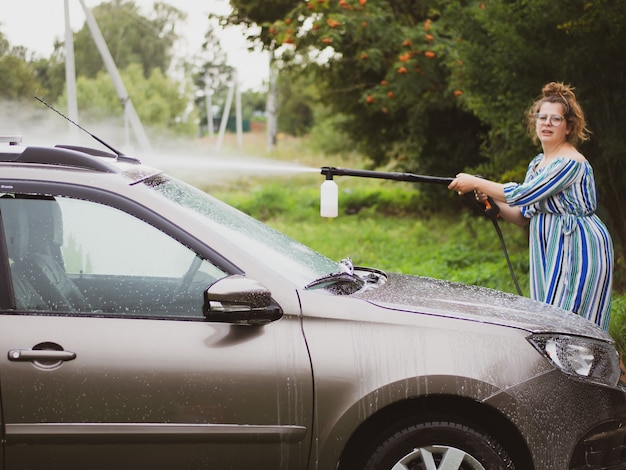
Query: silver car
145 324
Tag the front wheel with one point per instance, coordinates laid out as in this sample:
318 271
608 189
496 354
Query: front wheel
440 445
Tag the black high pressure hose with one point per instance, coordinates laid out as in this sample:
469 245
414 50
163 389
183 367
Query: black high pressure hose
489 208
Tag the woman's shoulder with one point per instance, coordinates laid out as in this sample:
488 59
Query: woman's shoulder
574 155
565 159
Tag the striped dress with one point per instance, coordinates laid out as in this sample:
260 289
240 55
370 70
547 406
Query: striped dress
571 252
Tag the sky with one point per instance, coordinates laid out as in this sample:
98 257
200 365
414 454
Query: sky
35 24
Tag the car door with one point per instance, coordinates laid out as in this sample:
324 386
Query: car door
120 369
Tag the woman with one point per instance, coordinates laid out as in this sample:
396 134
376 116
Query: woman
571 252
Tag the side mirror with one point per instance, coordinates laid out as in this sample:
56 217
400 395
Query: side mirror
237 299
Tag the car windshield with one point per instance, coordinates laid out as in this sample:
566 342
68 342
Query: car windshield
292 259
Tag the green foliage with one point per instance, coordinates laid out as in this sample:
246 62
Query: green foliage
251 12
618 322
17 78
157 100
50 73
326 134
211 75
131 37
296 100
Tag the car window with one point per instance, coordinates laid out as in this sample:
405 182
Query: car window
292 259
71 255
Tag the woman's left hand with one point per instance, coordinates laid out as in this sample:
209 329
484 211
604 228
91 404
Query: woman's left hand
463 183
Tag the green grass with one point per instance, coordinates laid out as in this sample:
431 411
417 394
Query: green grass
388 226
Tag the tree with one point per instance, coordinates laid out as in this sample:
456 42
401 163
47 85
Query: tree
211 74
17 75
504 52
159 102
130 37
374 63
4 45
297 97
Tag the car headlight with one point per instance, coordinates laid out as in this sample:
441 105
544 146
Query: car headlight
581 357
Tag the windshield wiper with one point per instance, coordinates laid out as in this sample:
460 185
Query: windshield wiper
344 276
334 278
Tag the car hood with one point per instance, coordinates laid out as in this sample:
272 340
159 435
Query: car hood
442 298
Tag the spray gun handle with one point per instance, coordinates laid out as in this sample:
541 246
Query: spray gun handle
491 208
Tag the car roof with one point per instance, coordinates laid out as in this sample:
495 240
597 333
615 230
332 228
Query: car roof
70 157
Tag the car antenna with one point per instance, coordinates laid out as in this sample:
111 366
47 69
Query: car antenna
115 151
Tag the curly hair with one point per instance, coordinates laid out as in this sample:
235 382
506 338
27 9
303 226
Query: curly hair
557 92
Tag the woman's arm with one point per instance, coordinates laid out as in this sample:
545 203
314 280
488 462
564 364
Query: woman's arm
464 183
512 214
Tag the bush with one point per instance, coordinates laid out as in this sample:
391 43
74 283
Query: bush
618 322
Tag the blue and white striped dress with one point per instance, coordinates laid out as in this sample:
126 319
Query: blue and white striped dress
571 251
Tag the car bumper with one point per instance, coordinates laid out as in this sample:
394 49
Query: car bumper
568 423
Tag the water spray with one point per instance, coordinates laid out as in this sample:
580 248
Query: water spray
329 198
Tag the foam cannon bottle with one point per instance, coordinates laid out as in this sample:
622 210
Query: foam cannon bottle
329 197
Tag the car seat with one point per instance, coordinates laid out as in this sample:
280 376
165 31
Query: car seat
38 256
15 223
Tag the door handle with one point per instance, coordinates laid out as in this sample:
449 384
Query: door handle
40 355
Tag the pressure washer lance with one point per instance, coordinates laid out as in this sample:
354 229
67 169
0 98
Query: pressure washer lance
329 198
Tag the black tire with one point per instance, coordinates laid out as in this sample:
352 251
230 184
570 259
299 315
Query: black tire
428 445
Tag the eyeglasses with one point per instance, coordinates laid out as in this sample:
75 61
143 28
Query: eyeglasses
554 119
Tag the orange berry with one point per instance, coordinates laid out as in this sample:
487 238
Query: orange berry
364 56
429 54
427 24
406 43
384 82
402 70
404 57
370 99
327 40
458 92
390 94
429 37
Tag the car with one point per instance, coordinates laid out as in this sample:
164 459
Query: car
146 324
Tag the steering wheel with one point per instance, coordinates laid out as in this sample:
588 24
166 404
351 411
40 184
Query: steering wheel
185 281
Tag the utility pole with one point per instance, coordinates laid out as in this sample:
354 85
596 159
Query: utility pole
225 115
271 107
233 90
208 96
130 113
70 74
238 111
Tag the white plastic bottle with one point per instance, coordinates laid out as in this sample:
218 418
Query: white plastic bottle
329 198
